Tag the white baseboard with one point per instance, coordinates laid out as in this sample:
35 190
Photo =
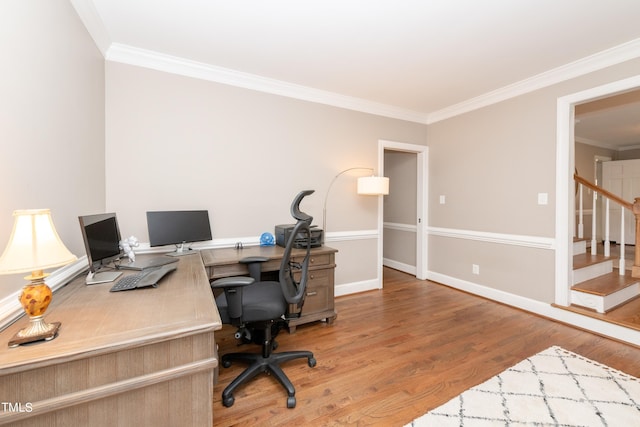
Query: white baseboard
355 287
543 309
400 266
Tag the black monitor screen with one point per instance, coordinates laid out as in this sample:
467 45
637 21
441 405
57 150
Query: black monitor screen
178 227
101 238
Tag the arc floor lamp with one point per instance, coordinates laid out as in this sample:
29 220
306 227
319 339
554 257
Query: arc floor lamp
367 185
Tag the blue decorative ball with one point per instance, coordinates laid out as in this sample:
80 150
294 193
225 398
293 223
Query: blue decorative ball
267 239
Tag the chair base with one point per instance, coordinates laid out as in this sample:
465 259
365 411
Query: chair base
259 364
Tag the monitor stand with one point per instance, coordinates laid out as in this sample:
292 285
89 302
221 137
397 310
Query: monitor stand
181 249
102 277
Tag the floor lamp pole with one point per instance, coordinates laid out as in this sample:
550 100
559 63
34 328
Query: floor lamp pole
326 197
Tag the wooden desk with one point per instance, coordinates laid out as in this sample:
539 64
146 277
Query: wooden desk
319 301
145 357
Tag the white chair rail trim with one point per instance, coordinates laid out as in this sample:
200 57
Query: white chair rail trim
499 238
410 228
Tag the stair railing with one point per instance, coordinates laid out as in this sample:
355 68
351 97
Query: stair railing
609 197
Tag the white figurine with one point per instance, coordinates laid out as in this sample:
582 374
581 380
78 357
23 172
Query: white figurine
127 246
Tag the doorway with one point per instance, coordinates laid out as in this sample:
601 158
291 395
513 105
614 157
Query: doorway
413 227
565 166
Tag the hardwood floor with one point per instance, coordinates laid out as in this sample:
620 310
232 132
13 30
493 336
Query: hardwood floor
394 354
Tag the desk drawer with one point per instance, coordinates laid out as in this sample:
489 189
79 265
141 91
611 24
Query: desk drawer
315 260
237 269
319 292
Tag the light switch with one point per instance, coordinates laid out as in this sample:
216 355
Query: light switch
442 199
543 198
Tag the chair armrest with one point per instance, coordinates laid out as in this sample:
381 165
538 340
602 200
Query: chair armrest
232 282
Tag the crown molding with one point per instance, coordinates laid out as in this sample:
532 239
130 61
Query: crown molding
93 23
606 145
171 64
596 143
606 58
117 52
175 65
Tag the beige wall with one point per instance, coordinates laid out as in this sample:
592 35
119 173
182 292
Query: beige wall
244 155
585 158
52 109
175 142
491 164
628 154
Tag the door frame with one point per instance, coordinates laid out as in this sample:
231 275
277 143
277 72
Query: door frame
565 166
422 201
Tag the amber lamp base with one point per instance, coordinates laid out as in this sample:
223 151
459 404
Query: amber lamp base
35 299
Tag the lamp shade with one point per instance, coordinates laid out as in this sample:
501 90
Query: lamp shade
34 244
373 185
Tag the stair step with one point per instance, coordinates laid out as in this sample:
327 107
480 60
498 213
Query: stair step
579 246
606 292
587 266
586 259
597 285
606 284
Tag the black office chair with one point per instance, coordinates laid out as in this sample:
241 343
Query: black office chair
260 308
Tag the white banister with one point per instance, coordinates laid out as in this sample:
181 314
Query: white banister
633 208
594 242
581 213
621 265
607 242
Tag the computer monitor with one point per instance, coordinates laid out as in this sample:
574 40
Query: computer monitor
101 237
178 228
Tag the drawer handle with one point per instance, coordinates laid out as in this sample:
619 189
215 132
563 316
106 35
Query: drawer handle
312 294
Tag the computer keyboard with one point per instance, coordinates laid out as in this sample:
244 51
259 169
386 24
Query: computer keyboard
148 277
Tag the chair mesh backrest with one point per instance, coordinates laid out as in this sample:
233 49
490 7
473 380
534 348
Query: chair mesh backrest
294 275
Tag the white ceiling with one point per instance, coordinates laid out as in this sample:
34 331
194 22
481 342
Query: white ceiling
421 57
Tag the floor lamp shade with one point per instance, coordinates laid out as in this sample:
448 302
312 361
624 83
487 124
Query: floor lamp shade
373 185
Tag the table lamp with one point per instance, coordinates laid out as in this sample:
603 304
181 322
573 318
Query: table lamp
34 245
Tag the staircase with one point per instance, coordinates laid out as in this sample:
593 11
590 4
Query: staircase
597 283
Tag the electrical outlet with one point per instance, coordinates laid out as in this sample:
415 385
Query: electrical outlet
475 268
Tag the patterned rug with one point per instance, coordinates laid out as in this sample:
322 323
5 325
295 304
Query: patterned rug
553 388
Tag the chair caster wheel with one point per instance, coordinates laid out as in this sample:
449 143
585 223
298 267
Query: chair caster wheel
291 402
312 362
226 364
228 401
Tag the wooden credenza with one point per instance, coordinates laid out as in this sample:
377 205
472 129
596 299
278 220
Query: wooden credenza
145 357
319 301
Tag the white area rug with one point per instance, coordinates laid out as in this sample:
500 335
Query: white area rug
553 388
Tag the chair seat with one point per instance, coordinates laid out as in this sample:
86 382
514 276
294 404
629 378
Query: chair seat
260 301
